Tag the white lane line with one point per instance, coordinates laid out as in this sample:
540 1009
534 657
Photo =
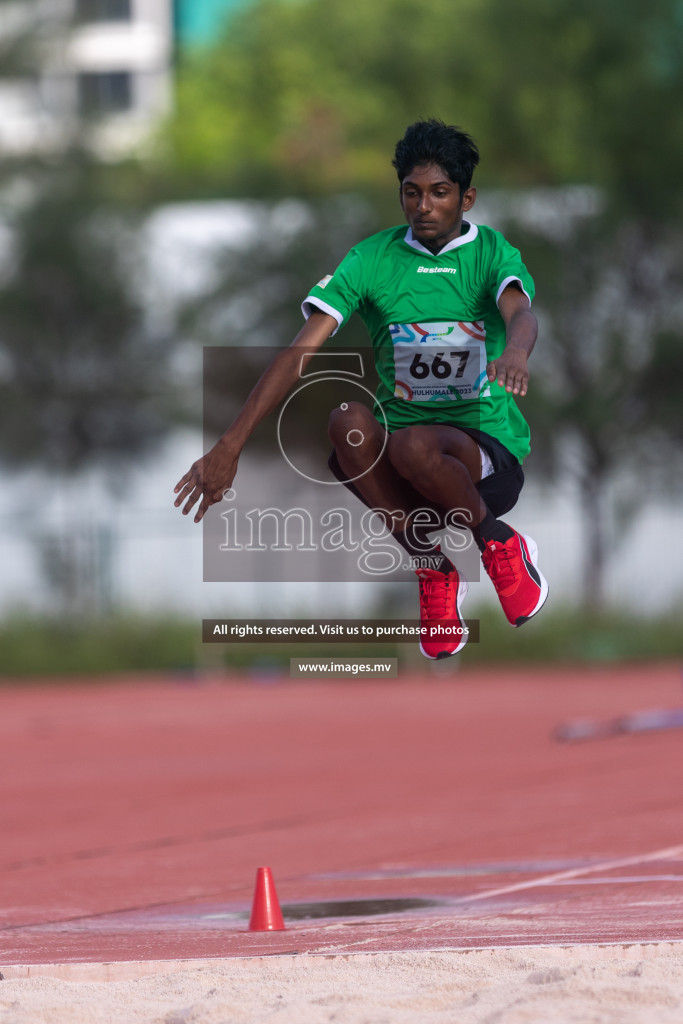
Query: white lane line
561 876
623 880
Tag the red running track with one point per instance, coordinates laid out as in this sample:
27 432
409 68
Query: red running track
134 814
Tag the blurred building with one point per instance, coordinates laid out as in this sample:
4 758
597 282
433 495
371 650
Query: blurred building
66 65
106 65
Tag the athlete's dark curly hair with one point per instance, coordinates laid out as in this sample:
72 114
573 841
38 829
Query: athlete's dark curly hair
433 142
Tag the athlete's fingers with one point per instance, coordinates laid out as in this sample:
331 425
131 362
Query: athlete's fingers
184 480
192 500
206 504
187 489
193 478
183 486
512 382
520 385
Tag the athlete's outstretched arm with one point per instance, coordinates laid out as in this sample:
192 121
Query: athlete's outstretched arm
209 477
521 330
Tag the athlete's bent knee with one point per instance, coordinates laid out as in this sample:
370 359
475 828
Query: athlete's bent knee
350 423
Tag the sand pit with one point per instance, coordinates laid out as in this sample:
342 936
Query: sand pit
639 984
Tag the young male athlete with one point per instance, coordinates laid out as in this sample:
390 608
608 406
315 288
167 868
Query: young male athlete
448 306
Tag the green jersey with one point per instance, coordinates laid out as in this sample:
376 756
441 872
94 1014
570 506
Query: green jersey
434 324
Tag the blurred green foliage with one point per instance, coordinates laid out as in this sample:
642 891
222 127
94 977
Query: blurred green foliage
39 647
34 646
565 634
84 379
302 97
603 399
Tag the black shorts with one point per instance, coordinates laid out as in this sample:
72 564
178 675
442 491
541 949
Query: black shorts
499 491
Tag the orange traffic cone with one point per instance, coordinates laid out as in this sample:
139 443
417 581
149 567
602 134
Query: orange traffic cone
266 915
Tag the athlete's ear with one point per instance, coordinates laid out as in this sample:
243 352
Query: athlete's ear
468 198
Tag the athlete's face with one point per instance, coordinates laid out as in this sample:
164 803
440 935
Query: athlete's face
433 205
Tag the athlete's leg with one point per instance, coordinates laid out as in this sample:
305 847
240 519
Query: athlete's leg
361 450
360 444
443 464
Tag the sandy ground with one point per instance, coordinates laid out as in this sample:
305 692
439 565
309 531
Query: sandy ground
578 985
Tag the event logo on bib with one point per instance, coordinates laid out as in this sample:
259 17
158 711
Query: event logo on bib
440 362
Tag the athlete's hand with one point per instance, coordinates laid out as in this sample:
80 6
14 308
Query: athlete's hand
510 370
208 478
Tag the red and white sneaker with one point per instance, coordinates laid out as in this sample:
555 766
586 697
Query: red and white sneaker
513 569
440 597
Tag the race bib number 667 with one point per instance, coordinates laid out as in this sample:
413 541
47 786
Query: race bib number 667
440 362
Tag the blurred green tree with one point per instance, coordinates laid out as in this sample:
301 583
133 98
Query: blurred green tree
603 402
599 101
578 91
301 97
83 381
306 98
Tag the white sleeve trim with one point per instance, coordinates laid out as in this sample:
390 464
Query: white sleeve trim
312 303
506 282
